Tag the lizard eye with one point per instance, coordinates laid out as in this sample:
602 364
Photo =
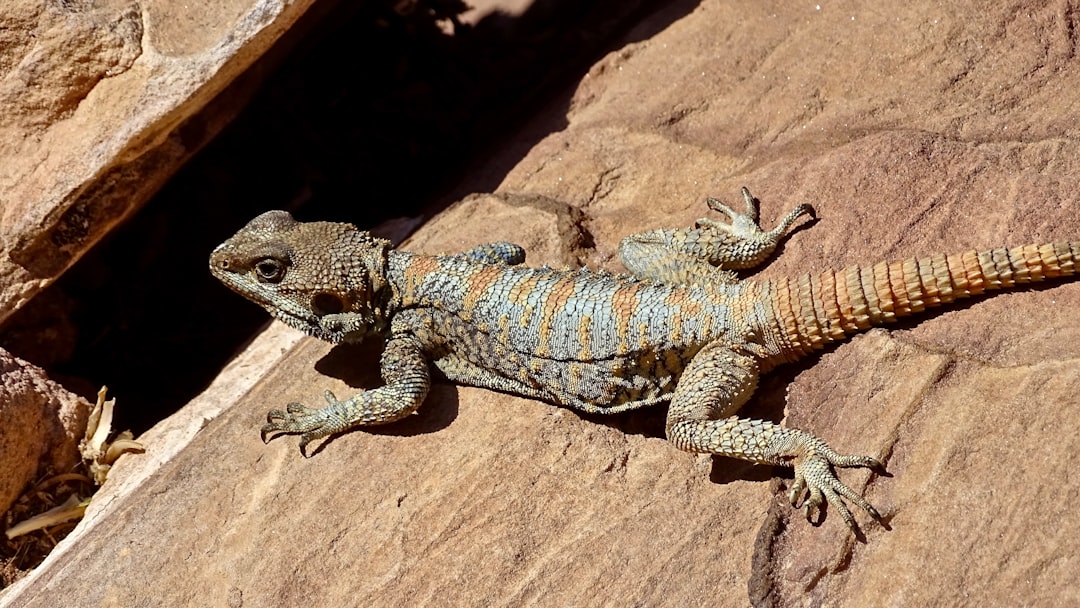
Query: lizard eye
270 270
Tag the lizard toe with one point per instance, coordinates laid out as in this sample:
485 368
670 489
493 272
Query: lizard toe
298 409
814 476
310 423
274 416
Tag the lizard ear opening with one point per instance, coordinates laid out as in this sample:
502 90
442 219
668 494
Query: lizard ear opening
327 304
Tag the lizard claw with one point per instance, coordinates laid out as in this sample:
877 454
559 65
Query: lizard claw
814 476
310 423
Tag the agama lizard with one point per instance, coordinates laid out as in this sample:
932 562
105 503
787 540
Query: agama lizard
681 328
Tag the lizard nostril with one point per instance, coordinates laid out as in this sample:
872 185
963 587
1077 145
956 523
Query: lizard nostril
327 304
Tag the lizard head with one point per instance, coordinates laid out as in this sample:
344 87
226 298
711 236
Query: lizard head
324 278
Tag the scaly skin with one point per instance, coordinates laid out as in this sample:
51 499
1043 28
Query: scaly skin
682 328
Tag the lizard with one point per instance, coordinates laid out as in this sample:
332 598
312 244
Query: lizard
681 327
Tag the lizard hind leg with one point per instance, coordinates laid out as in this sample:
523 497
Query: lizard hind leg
709 250
718 381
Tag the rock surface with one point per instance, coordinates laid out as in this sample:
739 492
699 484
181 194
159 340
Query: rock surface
42 426
101 104
914 130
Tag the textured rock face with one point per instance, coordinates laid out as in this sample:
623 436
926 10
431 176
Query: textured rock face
101 103
913 130
43 424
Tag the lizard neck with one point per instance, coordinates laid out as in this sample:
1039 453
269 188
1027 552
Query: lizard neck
420 281
400 279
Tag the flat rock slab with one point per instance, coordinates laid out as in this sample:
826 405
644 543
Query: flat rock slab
914 130
101 104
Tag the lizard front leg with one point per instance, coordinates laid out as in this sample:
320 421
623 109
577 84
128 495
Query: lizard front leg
714 385
499 252
407 375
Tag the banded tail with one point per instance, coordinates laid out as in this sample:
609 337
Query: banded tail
813 310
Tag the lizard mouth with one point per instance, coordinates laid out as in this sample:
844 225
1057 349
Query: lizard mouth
309 324
315 323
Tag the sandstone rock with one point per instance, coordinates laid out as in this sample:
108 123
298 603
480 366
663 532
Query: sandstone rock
101 103
915 130
42 426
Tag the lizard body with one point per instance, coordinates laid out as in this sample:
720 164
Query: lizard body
681 328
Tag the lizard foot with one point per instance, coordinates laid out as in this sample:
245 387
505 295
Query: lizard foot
310 423
815 477
745 225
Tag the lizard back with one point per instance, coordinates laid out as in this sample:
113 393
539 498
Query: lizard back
591 340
